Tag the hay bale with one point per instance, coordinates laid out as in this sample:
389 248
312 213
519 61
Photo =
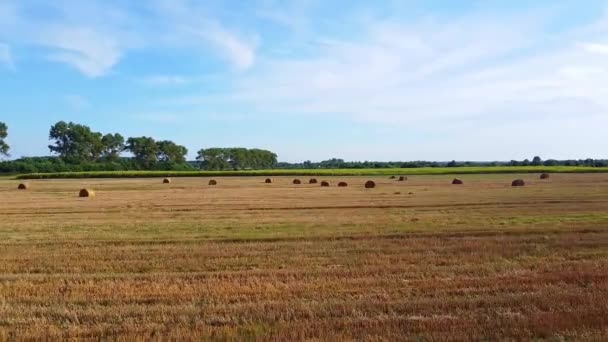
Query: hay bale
370 184
297 181
392 177
23 186
544 176
343 184
518 182
402 179
86 193
313 181
457 181
213 182
268 181
167 181
324 183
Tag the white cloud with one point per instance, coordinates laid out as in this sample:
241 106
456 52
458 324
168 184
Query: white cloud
596 48
90 52
6 58
432 75
239 51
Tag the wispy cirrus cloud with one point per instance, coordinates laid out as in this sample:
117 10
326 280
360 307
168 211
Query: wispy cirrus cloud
239 51
194 26
498 73
92 53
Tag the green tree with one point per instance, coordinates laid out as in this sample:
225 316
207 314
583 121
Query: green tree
236 158
144 150
536 161
170 152
75 143
113 145
213 159
3 134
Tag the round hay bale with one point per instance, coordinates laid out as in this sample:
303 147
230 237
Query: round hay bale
544 176
343 184
297 181
392 177
23 186
324 183
370 184
518 182
213 182
167 181
86 193
457 181
313 181
268 181
402 179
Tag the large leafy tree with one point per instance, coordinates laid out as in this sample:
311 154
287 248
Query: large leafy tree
236 159
75 143
168 151
144 150
3 134
113 145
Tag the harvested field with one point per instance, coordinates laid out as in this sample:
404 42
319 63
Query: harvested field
243 260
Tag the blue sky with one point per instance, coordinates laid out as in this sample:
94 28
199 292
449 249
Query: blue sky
314 79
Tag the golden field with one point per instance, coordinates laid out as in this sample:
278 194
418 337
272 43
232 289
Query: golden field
421 259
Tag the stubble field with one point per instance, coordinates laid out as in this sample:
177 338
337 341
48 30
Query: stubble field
421 259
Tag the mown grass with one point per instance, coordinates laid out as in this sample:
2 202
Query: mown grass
246 260
320 172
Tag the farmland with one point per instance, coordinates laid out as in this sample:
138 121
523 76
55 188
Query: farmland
243 259
320 172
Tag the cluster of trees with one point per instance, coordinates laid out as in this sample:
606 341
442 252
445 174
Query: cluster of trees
78 144
236 158
537 161
3 134
341 164
78 148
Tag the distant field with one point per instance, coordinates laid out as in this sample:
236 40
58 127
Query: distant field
244 260
320 172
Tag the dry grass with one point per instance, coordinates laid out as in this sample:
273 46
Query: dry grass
244 260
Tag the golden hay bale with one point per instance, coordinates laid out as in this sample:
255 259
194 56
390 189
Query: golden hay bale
297 181
86 193
167 181
23 186
268 181
313 181
457 181
544 176
213 182
343 184
402 179
370 184
325 183
518 182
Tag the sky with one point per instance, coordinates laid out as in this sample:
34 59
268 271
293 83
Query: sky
314 79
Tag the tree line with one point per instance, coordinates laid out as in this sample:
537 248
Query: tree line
78 148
